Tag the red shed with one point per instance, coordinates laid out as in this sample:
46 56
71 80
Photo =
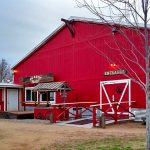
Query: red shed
85 53
10 97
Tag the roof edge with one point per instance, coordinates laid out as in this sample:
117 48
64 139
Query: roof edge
99 21
10 85
39 45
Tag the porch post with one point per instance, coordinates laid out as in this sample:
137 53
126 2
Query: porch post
94 116
38 98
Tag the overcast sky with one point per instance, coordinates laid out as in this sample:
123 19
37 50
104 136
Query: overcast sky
25 23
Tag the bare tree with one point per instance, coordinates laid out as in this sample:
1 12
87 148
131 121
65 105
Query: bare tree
128 15
5 72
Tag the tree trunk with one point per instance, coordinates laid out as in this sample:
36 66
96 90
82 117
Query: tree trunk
147 86
147 122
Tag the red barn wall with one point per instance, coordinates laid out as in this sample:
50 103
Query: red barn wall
78 61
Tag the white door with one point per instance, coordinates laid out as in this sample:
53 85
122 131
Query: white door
115 92
12 100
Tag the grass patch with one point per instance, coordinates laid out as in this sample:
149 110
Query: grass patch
43 148
112 143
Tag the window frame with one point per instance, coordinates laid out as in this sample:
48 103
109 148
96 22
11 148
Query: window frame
50 102
31 89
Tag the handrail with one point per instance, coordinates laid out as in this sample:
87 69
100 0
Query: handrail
62 104
111 103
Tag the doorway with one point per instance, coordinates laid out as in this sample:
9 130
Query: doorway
118 93
12 99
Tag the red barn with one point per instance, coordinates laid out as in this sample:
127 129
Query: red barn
85 53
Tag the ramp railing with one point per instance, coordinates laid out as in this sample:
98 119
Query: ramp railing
65 112
124 113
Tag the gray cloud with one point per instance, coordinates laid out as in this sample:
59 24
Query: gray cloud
25 23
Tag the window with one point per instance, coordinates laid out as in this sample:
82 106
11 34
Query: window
50 96
30 95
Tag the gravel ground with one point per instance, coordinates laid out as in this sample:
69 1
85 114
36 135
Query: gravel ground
35 134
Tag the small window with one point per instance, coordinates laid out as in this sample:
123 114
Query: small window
34 96
50 96
30 95
43 96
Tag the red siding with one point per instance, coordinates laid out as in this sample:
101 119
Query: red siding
79 60
1 100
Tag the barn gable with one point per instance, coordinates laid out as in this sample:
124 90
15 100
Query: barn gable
61 43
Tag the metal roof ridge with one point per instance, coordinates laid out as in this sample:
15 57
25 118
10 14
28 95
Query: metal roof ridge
96 20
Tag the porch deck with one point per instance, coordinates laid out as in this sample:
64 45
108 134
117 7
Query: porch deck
17 115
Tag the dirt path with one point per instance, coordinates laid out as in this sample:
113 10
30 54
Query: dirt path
20 135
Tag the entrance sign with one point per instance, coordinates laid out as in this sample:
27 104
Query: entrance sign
114 72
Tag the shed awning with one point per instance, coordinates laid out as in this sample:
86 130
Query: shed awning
10 85
52 86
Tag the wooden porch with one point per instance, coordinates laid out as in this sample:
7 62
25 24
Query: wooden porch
17 114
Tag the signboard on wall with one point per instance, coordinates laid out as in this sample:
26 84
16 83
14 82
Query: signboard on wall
114 72
38 79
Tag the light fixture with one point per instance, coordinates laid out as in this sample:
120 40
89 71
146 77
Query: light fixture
113 66
14 71
114 29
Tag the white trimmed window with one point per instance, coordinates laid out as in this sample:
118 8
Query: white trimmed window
50 96
30 95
